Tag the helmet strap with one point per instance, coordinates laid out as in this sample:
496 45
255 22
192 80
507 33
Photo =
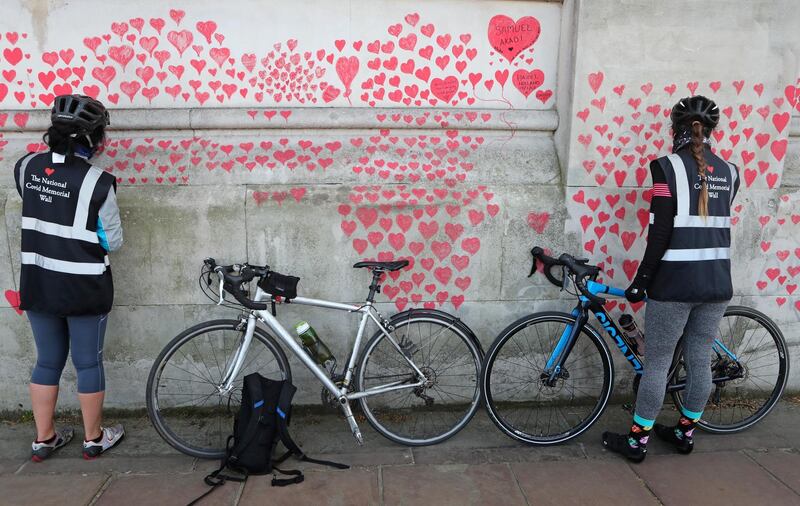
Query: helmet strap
80 149
83 151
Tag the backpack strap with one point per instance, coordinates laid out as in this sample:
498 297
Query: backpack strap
252 384
215 478
283 410
298 477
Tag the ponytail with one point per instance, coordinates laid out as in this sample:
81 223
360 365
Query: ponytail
698 153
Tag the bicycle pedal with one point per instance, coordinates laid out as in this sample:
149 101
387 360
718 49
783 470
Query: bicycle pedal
359 437
628 407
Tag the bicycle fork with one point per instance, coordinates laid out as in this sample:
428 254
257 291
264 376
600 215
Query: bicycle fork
235 366
564 347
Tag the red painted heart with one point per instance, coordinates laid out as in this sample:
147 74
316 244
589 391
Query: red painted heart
509 37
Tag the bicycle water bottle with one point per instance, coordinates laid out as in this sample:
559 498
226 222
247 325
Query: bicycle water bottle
632 332
313 344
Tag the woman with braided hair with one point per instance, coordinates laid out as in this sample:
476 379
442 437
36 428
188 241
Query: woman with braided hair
685 273
70 222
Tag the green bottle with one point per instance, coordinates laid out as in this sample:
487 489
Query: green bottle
313 344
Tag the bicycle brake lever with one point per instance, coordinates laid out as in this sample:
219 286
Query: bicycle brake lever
221 291
533 268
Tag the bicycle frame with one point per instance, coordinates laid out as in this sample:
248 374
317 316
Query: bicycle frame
343 394
581 313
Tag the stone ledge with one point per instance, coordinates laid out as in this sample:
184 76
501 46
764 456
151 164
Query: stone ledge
328 118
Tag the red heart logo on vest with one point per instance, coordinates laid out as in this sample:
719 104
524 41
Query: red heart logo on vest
49 171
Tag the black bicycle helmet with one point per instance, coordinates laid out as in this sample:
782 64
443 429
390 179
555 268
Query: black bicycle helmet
83 114
696 108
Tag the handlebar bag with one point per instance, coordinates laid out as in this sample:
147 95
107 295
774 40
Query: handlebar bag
280 285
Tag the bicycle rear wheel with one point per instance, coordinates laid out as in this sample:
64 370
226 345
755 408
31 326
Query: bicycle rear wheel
762 362
518 400
451 362
184 402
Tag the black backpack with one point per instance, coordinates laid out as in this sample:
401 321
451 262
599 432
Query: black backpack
262 422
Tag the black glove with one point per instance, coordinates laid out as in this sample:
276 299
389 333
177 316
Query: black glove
636 292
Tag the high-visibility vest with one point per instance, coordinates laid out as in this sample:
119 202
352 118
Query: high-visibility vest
696 266
65 268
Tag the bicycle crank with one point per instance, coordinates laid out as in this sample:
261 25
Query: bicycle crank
328 399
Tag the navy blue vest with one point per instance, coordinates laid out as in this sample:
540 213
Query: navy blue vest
696 266
64 268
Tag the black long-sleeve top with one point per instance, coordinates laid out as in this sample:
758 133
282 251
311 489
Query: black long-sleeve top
663 209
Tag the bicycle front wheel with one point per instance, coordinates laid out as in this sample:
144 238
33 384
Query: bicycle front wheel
450 361
517 397
761 369
184 400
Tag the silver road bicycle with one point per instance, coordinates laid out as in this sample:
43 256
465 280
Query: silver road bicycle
415 380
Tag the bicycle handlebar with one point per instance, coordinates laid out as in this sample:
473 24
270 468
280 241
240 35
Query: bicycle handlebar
232 283
576 266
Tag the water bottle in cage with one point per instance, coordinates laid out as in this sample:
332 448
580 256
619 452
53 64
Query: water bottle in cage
632 332
313 345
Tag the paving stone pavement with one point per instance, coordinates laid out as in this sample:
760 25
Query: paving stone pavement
478 466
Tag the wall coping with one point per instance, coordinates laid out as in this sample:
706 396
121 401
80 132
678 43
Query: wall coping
323 118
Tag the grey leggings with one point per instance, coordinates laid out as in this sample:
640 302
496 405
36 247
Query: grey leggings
55 336
665 323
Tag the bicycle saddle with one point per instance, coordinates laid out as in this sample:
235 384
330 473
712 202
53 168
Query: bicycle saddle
383 266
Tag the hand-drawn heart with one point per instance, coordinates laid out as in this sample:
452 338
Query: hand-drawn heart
121 54
207 29
444 89
526 81
538 221
346 69
13 299
509 37
180 40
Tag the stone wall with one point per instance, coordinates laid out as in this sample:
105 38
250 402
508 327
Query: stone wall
310 135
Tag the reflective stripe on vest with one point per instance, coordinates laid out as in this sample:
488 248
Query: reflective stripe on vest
681 185
696 255
53 264
698 221
63 231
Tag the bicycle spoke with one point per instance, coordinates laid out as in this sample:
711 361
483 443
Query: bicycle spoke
427 412
183 381
745 400
523 402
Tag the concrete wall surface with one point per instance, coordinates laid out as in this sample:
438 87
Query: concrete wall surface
456 133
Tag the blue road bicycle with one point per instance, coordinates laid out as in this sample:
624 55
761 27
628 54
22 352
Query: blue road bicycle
549 376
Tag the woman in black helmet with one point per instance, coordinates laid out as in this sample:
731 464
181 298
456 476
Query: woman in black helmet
686 274
70 221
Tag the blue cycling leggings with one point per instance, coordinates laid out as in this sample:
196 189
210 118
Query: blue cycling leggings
55 336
